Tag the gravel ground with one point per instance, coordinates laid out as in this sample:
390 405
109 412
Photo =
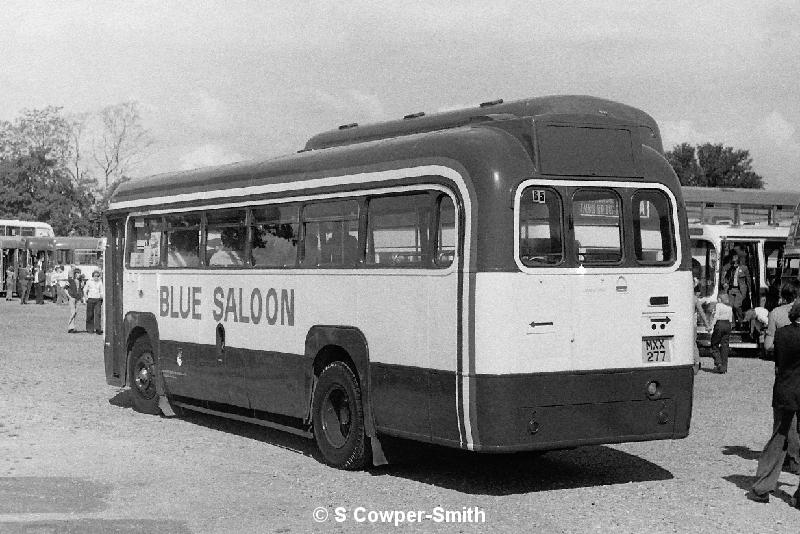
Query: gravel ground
74 457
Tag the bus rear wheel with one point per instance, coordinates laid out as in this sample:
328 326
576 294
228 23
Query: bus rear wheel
143 385
338 418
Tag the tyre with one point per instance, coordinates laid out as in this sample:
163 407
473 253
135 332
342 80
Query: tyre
338 418
143 378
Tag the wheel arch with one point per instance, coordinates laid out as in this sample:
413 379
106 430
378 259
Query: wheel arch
328 343
135 326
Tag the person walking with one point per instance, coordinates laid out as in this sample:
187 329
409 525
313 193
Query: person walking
94 292
720 335
786 400
778 318
11 282
75 294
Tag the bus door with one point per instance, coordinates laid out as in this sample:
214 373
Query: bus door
773 263
748 255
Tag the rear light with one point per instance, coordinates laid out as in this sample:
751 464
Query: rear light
653 390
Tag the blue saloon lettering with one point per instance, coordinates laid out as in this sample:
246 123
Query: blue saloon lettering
232 304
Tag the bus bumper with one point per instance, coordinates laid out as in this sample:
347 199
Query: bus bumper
529 412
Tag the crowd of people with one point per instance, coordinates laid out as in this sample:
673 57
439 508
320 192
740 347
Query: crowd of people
65 285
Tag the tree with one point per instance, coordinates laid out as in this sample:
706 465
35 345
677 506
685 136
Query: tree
33 187
35 181
713 165
121 141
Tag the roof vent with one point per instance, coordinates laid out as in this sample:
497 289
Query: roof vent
348 126
414 115
491 103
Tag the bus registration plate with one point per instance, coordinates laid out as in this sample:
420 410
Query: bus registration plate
656 349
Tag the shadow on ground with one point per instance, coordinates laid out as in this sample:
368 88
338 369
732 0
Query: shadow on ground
123 399
742 452
745 482
517 473
467 472
47 495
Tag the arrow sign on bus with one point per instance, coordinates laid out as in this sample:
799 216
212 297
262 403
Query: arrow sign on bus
535 324
660 320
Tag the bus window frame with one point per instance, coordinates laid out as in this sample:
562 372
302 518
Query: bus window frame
625 191
563 216
301 199
634 209
623 253
428 250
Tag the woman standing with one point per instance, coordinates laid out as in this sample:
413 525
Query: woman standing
94 291
786 401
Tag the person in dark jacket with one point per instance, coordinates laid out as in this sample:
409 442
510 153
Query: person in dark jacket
786 401
75 293
39 277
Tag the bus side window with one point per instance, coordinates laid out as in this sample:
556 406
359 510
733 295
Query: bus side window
276 232
540 229
144 243
397 230
331 234
445 233
226 235
183 240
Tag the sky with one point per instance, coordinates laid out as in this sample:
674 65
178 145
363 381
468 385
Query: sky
223 81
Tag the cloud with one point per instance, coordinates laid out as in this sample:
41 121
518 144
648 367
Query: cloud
777 129
686 131
207 111
207 155
361 105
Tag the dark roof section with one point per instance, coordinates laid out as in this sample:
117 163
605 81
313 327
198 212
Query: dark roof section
78 242
531 107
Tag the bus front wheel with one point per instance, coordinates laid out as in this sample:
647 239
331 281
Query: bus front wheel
143 385
338 418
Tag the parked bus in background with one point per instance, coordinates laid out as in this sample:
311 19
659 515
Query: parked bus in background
514 276
14 252
753 226
12 227
791 255
84 253
12 255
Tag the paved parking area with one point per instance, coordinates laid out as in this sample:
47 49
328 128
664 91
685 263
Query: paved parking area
74 457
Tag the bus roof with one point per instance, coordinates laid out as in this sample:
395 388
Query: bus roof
745 197
79 242
499 145
39 243
488 111
726 231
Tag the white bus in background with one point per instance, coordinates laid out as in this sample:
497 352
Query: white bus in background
753 222
13 227
84 253
791 254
